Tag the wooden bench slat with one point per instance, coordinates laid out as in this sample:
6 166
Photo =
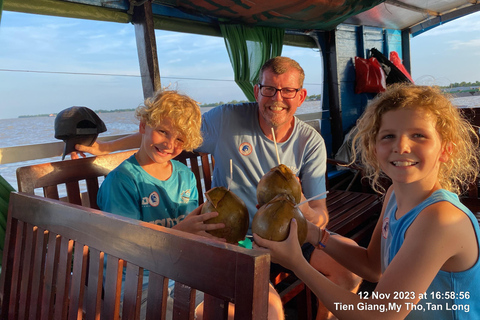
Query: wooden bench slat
77 289
196 171
184 302
132 292
63 278
17 267
92 192
113 278
157 299
48 285
94 287
25 291
354 218
73 192
50 192
215 308
41 241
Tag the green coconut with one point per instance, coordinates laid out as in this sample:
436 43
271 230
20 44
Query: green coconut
279 180
232 211
272 220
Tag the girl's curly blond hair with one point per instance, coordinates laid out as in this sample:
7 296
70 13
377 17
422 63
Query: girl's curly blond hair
462 165
183 111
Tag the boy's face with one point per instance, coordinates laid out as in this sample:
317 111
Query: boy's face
160 144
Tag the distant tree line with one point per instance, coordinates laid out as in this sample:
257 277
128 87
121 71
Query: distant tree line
36 115
115 110
463 84
216 104
313 97
54 114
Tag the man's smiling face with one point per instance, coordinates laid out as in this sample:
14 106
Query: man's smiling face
277 111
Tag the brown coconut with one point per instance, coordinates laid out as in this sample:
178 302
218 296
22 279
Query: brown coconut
272 220
279 180
232 211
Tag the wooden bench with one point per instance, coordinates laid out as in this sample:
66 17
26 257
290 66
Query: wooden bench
71 174
54 256
352 214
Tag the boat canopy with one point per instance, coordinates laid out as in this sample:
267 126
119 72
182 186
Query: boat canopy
342 29
412 16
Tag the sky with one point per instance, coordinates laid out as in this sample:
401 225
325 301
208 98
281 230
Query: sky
48 64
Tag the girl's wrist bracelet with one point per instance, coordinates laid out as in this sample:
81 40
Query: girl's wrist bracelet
322 242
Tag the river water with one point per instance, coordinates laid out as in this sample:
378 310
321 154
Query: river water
36 130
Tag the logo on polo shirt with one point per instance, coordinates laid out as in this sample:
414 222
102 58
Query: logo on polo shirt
245 148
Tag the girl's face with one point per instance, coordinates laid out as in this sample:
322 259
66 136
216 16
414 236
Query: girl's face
162 143
408 146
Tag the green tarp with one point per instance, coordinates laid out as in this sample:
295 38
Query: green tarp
248 49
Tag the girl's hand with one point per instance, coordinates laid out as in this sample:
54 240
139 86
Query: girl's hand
285 252
194 223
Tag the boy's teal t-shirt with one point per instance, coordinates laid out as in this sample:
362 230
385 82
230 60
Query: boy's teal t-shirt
131 192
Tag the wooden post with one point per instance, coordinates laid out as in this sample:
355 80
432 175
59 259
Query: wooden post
331 71
147 48
406 50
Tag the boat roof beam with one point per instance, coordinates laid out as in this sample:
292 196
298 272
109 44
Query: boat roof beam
443 18
147 48
412 7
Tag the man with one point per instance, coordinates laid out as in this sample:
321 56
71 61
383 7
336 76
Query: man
243 133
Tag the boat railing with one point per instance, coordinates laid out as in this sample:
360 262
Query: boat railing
55 149
14 157
39 151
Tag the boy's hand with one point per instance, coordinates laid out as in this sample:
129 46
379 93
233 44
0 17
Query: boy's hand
77 154
194 223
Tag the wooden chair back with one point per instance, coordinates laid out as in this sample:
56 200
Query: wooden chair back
90 171
54 257
202 165
71 173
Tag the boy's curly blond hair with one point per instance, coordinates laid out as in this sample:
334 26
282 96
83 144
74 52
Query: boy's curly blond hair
183 111
462 165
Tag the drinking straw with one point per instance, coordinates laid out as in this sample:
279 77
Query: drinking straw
314 197
231 174
276 148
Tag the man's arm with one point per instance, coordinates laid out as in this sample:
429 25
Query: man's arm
315 211
99 148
